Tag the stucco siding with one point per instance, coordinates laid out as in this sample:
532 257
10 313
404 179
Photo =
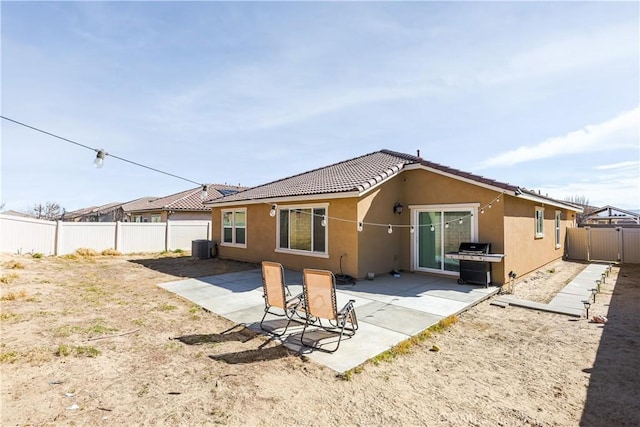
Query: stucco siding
526 251
261 238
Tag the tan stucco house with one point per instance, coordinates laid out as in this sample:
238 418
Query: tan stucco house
388 211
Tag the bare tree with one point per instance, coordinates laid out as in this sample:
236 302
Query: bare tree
49 211
583 202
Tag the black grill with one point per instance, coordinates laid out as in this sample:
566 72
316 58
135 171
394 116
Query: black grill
478 272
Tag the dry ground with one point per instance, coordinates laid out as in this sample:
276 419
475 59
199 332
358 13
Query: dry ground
94 341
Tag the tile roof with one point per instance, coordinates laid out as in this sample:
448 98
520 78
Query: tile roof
351 175
188 200
358 175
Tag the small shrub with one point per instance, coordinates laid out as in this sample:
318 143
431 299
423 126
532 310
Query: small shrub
65 350
37 255
8 278
71 257
178 251
111 252
14 265
12 296
167 307
8 357
86 252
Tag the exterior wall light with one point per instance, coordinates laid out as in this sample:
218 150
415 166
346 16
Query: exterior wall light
397 208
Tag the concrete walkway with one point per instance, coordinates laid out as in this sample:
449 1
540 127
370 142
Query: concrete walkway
569 300
389 309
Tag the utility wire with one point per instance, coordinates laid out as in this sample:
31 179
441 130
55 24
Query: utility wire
98 151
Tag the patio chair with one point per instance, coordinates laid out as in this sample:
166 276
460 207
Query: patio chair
319 287
275 295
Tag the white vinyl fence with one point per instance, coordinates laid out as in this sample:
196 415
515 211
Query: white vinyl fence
604 244
27 235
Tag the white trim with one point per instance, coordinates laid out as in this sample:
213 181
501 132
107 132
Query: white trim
312 206
538 234
233 228
543 201
293 199
416 209
557 230
303 253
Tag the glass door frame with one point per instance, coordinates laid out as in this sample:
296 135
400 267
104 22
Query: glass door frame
415 212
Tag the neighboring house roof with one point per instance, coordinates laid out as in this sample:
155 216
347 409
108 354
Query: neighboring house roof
355 177
188 200
16 213
609 214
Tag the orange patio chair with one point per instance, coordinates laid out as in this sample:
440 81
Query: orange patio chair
275 295
319 288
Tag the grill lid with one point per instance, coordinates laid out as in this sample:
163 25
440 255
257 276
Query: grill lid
474 248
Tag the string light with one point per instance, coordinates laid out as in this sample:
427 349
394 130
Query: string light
360 226
101 154
204 193
482 210
390 229
99 161
433 228
324 221
412 230
460 221
272 212
446 225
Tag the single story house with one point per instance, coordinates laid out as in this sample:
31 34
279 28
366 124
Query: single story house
388 211
185 205
106 213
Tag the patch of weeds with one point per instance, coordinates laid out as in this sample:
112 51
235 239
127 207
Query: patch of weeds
194 311
551 270
68 330
138 322
167 307
173 346
8 357
65 350
444 324
14 265
70 257
178 251
97 328
37 255
9 316
111 252
348 375
144 390
13 296
8 278
86 252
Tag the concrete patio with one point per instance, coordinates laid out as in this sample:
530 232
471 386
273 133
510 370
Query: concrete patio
389 309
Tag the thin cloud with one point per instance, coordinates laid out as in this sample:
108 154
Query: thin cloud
622 131
621 165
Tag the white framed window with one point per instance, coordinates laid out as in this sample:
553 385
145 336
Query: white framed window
558 217
234 227
303 230
137 218
539 222
155 217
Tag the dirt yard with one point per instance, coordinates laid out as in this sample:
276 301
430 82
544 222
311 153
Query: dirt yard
93 341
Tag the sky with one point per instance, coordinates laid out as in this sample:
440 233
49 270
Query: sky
542 95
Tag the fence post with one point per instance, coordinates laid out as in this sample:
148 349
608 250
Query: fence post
116 240
619 232
166 235
55 238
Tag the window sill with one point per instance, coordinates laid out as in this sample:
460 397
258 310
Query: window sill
303 253
233 245
539 236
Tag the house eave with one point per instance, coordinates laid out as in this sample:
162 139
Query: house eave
285 199
546 201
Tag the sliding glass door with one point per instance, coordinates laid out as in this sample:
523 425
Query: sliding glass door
441 229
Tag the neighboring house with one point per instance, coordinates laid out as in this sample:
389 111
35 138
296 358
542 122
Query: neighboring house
186 205
610 215
16 213
389 211
106 213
